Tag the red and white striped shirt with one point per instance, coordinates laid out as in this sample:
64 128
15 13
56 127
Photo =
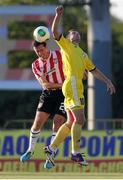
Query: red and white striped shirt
51 68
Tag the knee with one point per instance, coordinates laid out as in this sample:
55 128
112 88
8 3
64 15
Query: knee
57 122
36 126
38 123
69 124
81 121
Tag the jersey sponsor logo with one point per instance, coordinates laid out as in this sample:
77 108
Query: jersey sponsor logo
51 71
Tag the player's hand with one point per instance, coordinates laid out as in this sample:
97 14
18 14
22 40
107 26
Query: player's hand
110 87
46 85
59 10
51 86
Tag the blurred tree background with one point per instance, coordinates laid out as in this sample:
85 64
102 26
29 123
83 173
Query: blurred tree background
22 104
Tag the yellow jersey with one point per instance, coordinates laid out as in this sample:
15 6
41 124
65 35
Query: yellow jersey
75 62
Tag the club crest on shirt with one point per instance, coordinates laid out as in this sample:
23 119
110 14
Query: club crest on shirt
41 69
51 71
55 60
83 54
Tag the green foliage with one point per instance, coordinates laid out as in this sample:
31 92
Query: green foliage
117 67
27 2
21 59
26 30
18 104
75 18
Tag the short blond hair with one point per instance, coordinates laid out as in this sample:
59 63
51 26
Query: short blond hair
72 30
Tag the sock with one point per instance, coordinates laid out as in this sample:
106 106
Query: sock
33 139
52 137
62 133
75 137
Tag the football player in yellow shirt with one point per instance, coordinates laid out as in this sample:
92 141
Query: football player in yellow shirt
75 62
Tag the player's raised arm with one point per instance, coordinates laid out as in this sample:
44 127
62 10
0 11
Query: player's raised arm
55 24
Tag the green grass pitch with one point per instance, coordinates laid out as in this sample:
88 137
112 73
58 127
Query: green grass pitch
49 175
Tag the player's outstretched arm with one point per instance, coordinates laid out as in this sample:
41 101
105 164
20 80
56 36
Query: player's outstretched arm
47 85
99 75
55 24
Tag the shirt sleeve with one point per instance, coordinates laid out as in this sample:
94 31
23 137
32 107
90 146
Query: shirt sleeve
63 43
87 62
35 70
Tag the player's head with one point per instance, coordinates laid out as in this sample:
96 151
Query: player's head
40 49
74 36
36 44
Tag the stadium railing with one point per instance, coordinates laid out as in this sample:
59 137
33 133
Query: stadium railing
102 124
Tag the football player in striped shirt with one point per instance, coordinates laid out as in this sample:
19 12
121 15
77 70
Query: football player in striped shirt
48 70
75 62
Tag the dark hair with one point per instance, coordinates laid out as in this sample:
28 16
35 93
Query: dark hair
36 44
70 30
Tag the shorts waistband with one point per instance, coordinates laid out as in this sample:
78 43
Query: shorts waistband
52 90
